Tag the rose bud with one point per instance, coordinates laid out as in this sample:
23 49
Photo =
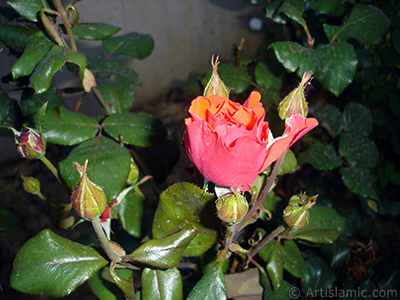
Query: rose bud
88 199
230 144
215 86
31 144
297 213
295 102
231 207
31 185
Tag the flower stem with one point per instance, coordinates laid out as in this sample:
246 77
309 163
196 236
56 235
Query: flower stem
67 25
104 242
41 196
102 100
265 241
51 167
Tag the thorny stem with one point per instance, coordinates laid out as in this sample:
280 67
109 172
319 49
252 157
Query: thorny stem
265 241
104 242
102 100
67 25
51 167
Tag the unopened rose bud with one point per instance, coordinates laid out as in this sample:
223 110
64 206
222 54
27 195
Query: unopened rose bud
297 213
31 185
295 102
215 86
231 208
31 144
88 199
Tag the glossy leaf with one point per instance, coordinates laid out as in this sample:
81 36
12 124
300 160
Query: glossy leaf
133 45
94 31
336 253
284 292
130 212
245 285
32 102
5 105
165 252
367 24
51 63
330 118
108 165
294 9
104 70
161 284
322 276
29 9
184 205
323 6
125 284
337 66
358 150
275 265
359 180
293 260
14 36
325 226
64 127
289 163
357 118
8 220
37 47
267 79
140 129
211 286
51 265
119 95
321 156
294 57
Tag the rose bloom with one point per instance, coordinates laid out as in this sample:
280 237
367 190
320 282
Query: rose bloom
230 144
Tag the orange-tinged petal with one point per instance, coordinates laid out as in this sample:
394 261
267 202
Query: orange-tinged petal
199 107
245 117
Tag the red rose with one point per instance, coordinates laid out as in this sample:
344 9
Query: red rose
230 144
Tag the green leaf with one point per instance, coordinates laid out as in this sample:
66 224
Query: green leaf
321 156
267 79
294 9
357 149
130 212
396 40
337 252
5 105
326 7
357 118
37 47
244 285
184 205
94 31
14 36
108 165
125 284
165 252
29 9
162 284
51 63
103 286
119 95
330 118
284 292
289 163
32 102
114 68
293 260
140 129
64 127
275 266
211 286
51 265
325 226
294 57
233 77
322 276
132 45
337 66
367 24
360 181
8 220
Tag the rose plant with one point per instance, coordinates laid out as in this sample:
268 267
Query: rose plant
192 240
